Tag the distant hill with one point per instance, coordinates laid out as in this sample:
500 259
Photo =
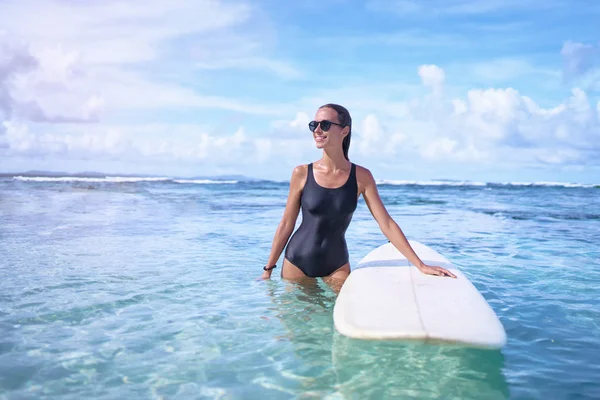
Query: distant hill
51 174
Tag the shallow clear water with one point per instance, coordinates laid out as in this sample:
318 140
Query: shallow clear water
149 290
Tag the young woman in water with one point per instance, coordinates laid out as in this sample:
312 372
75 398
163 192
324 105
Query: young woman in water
327 192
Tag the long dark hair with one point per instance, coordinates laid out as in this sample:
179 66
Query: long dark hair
344 119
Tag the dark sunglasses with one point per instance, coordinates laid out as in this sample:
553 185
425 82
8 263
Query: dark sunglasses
325 125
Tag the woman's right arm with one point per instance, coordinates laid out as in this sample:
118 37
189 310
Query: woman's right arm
290 214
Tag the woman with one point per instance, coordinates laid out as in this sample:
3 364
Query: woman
327 191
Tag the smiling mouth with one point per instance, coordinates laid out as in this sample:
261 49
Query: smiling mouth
320 138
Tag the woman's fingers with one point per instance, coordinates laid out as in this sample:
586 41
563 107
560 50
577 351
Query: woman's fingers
446 272
439 271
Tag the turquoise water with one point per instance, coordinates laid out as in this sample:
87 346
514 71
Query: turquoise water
149 290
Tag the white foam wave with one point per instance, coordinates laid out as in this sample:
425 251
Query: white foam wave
119 179
550 184
563 184
474 183
204 181
429 183
111 179
516 183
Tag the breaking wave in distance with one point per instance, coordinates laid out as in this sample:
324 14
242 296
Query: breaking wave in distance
474 183
120 179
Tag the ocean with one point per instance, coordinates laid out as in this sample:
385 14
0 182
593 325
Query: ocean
148 288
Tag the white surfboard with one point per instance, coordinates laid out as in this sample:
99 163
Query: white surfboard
386 297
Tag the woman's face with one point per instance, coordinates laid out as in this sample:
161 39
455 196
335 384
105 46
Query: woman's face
326 137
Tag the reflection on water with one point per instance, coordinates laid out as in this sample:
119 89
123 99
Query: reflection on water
384 369
329 364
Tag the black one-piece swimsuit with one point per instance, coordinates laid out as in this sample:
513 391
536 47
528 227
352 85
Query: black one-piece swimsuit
319 247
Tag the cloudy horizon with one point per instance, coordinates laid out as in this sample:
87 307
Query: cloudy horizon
499 92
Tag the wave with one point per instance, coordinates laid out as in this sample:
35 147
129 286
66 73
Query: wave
486 184
527 216
204 181
111 179
208 181
545 184
429 183
119 179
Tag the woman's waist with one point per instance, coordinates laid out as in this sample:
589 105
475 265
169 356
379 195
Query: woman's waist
321 235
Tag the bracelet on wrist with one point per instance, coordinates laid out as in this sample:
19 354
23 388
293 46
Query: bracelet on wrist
272 267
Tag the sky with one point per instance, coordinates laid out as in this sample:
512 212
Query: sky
496 91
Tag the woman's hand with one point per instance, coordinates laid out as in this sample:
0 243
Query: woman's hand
435 270
266 274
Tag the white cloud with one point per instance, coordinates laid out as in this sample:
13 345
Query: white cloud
459 106
557 156
145 143
370 135
487 126
14 60
25 143
114 31
374 138
286 129
89 62
395 141
484 126
22 75
432 76
438 148
80 62
301 121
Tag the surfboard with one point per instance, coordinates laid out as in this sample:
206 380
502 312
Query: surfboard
386 297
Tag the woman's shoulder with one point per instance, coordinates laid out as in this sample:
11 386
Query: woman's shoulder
300 170
299 173
363 172
364 177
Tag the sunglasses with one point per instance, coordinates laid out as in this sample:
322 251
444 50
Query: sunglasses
325 125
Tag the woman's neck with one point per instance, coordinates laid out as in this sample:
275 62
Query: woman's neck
333 160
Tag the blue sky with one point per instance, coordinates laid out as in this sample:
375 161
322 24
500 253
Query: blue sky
455 89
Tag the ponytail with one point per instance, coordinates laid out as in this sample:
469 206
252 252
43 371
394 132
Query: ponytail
346 146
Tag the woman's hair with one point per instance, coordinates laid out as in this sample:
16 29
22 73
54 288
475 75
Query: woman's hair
345 120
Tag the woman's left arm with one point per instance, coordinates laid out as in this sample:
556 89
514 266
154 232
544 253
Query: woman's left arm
390 228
